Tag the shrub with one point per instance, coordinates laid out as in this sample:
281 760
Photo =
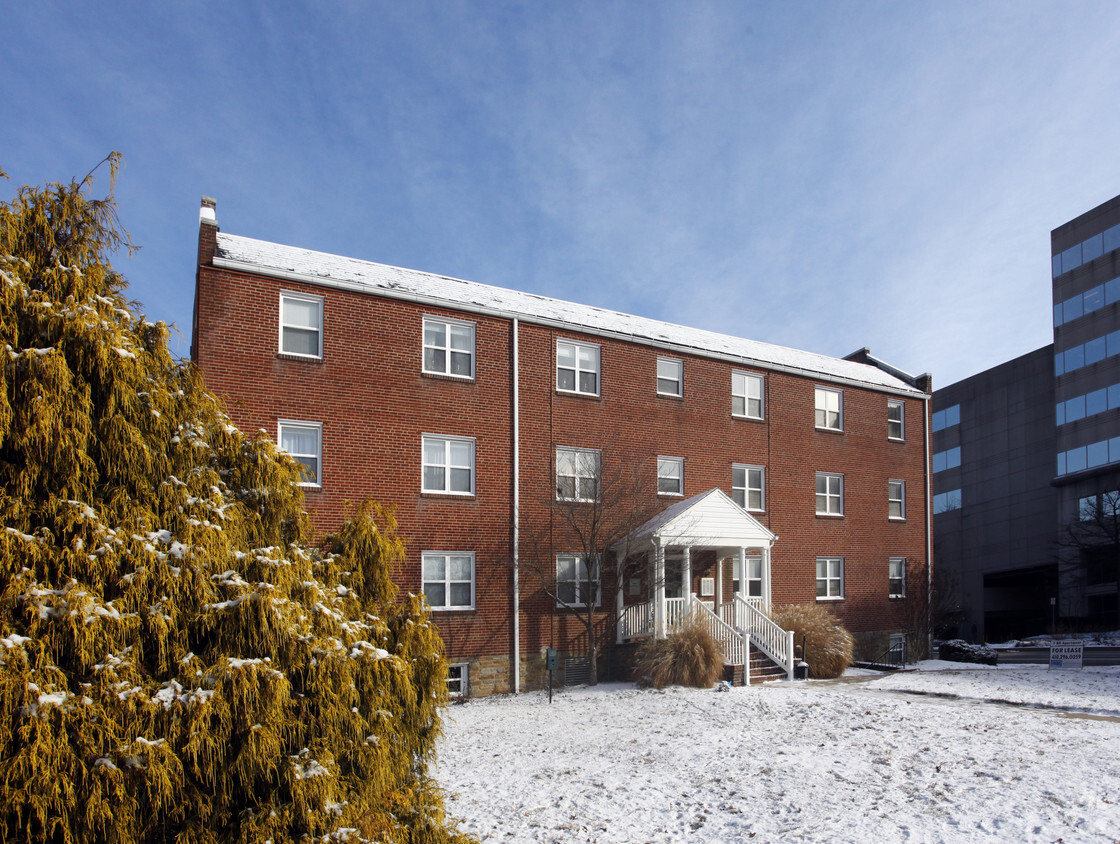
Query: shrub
828 646
688 657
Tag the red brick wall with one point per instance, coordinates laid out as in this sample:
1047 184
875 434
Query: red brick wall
374 404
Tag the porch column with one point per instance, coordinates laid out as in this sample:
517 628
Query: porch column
686 580
719 584
658 591
742 572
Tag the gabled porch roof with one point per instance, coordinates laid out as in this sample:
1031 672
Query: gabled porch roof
708 520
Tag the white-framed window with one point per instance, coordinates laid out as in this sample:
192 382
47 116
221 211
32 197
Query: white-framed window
448 579
577 474
830 578
896 420
303 441
896 499
896 577
754 576
574 583
670 377
829 405
707 587
301 325
670 475
748 487
830 494
458 679
746 395
448 465
448 347
577 367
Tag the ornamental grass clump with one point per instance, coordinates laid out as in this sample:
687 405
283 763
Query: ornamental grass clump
178 661
688 657
828 645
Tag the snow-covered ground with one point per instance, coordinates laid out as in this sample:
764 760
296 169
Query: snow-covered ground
922 756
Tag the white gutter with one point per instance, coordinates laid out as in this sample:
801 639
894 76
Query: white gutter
471 307
516 516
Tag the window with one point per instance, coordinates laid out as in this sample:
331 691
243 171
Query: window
830 578
945 501
301 325
754 576
670 372
829 404
304 442
448 347
457 679
577 368
746 395
577 474
748 487
573 584
896 415
896 577
1087 508
448 580
448 465
896 499
830 494
948 459
946 418
670 476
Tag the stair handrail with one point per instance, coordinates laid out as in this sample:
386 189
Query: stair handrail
764 634
729 639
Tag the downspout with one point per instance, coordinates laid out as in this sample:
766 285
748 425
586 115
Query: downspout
516 517
929 526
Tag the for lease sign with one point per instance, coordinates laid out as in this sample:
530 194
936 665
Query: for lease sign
1067 654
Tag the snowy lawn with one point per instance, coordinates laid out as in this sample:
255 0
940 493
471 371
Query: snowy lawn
879 759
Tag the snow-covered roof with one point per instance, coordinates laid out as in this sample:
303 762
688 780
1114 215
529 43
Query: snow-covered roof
710 519
236 252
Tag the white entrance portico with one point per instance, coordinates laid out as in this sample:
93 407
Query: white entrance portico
693 532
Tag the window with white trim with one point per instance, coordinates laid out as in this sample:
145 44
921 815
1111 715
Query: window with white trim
448 465
896 577
830 578
577 367
448 347
896 499
896 420
448 579
303 441
301 325
830 494
754 576
670 476
577 474
829 405
670 377
458 676
574 583
748 487
746 395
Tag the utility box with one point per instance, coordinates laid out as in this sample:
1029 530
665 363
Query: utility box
551 659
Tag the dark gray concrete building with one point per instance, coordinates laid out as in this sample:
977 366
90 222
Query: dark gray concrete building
1026 461
993 502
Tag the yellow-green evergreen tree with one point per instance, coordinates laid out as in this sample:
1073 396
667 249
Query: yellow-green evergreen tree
176 662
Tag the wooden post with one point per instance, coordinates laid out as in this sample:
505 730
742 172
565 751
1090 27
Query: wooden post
658 591
686 580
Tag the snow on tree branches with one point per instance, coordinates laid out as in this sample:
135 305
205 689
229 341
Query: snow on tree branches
177 663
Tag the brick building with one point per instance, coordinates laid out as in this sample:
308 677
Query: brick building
476 410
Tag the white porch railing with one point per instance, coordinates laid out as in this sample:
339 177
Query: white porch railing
730 640
674 613
636 621
764 634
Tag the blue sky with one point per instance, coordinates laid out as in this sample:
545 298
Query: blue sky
819 175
